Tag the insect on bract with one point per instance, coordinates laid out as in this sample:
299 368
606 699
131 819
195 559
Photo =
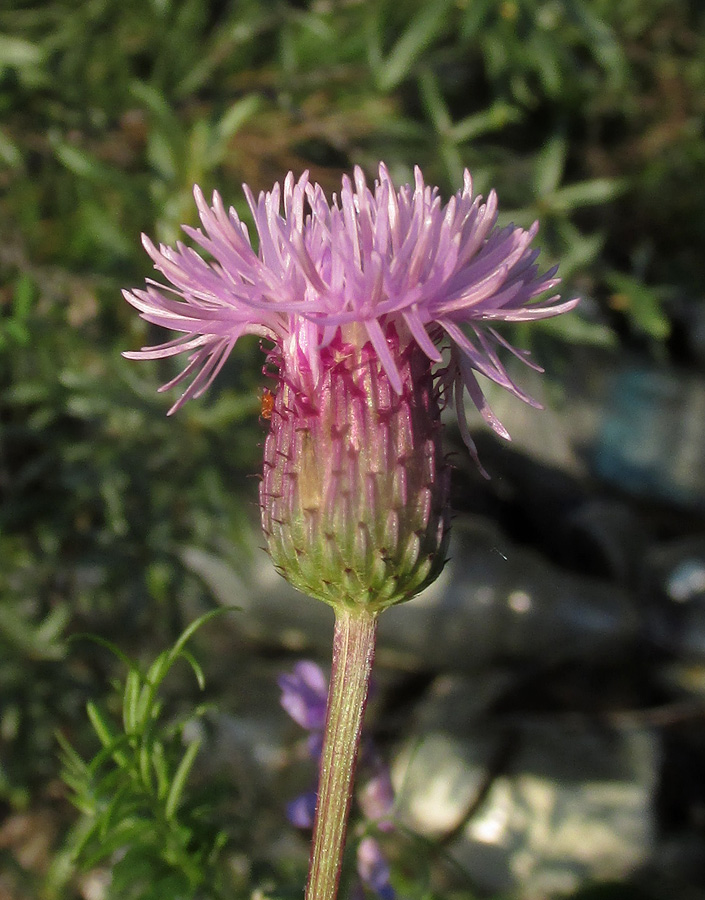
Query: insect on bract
267 404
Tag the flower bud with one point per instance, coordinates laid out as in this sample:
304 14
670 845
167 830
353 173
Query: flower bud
355 492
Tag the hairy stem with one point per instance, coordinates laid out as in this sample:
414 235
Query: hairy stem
353 652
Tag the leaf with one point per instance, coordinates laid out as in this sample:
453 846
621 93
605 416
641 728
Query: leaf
236 115
82 163
115 810
103 642
421 32
144 757
159 669
576 330
131 698
174 652
476 13
549 165
492 119
603 43
180 777
196 667
433 101
110 741
586 193
128 832
158 760
100 725
642 304
158 105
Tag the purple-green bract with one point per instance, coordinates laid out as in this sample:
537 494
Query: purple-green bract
367 260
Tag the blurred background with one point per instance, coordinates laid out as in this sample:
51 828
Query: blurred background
549 740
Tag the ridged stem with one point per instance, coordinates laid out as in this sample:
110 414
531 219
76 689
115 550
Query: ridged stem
353 652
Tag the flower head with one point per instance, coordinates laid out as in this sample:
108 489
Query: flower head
353 267
379 307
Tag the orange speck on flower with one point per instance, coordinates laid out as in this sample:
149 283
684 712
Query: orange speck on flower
267 404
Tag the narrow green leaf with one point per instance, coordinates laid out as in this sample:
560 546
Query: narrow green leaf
196 667
144 756
110 751
175 651
113 811
475 16
146 710
180 776
130 701
82 836
587 193
433 101
236 115
161 769
102 642
83 164
69 755
603 42
492 119
549 165
53 625
158 105
576 330
421 32
159 669
580 250
128 832
642 303
100 725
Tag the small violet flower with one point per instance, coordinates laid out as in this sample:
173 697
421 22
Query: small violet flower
304 695
376 796
373 868
379 306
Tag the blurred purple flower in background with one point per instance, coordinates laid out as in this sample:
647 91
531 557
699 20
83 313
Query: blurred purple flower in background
304 695
373 868
376 795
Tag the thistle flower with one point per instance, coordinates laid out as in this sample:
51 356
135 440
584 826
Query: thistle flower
379 306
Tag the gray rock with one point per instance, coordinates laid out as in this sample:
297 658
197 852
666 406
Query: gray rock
573 806
576 807
639 427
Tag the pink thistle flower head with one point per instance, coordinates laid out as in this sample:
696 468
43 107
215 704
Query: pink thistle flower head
380 307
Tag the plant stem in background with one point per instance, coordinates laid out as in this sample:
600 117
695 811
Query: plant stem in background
353 652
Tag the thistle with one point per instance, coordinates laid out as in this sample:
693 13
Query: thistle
379 308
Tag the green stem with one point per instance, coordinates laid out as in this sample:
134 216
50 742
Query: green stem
353 652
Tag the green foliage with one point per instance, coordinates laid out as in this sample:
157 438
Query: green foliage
140 813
